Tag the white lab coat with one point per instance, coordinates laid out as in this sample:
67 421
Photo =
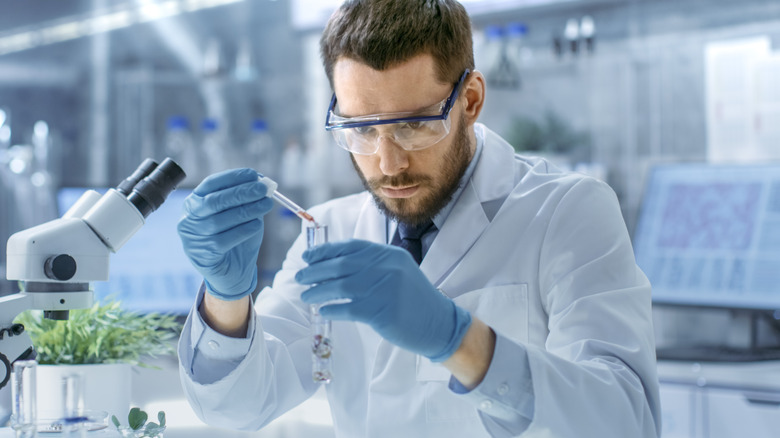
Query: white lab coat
542 257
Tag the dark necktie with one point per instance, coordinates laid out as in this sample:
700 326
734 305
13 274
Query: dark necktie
410 236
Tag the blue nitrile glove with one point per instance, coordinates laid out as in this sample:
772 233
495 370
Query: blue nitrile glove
222 229
388 291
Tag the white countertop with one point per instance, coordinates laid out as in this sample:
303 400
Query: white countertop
755 376
160 390
156 390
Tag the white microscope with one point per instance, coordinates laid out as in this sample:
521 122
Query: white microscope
57 260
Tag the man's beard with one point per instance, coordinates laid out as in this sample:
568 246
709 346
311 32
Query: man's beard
401 209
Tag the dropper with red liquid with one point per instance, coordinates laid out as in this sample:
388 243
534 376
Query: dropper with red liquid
284 200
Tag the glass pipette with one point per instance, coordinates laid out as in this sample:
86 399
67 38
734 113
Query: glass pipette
285 201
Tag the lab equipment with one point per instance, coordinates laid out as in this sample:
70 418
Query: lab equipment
72 395
215 148
62 410
222 241
404 307
71 421
55 261
707 235
259 148
321 328
505 70
316 234
180 146
588 33
24 416
572 34
286 202
147 281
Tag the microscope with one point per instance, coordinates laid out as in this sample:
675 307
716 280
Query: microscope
56 261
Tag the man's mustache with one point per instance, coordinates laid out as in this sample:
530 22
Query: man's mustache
401 180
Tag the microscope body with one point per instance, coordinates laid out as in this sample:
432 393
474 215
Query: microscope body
56 261
76 247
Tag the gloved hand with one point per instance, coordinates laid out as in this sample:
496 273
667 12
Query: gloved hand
388 292
222 229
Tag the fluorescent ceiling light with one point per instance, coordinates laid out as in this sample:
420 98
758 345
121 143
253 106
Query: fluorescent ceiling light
54 32
156 11
62 32
18 41
109 22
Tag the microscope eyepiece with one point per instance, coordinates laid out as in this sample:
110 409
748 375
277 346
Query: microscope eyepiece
143 170
151 191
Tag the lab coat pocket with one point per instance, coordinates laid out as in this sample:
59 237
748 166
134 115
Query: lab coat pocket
505 309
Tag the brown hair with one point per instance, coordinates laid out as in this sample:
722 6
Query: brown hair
384 33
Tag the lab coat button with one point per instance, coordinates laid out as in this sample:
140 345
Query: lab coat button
214 345
485 405
503 389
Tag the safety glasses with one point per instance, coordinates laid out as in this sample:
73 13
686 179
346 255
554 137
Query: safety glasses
412 131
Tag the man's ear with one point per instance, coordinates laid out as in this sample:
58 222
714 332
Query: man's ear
474 92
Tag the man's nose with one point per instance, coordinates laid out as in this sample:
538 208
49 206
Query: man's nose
393 159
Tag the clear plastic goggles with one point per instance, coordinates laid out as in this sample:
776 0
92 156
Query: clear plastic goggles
410 130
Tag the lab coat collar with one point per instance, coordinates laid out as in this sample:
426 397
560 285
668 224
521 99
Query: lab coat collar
493 179
494 176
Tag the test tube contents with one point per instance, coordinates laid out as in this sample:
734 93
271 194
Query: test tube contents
321 347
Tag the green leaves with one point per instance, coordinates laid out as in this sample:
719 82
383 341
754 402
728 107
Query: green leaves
102 334
137 421
137 418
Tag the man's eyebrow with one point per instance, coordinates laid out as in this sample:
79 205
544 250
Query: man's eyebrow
411 113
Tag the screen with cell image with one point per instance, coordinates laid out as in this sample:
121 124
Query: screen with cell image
709 235
150 273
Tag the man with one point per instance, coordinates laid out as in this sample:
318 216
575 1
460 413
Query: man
527 313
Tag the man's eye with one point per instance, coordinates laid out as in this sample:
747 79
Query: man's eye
413 125
363 130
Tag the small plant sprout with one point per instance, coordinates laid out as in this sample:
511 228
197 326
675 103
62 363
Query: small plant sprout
137 425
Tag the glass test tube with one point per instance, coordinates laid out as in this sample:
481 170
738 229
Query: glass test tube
321 346
73 406
24 410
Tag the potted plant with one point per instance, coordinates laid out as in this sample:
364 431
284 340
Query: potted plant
101 344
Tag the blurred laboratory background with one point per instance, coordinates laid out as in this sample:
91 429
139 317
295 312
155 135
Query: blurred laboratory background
629 91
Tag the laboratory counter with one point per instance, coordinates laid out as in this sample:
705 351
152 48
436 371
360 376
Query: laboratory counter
699 400
159 389
720 399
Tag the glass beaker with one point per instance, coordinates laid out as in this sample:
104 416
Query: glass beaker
321 347
24 411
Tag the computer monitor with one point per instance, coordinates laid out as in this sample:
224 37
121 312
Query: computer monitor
150 273
709 235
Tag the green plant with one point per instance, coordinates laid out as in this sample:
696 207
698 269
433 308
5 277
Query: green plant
552 135
138 426
101 334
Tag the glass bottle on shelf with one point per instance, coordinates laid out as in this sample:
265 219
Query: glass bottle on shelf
180 146
214 147
260 150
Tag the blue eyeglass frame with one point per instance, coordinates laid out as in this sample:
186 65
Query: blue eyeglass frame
445 112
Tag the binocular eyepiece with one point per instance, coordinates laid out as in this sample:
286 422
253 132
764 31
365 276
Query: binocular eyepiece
150 184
